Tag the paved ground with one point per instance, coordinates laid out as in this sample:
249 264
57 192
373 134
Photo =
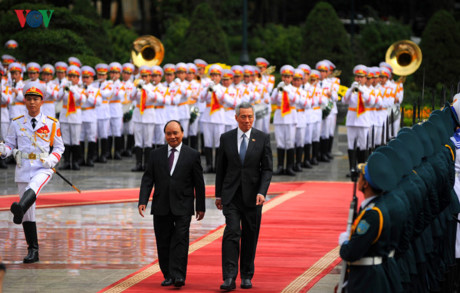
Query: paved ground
112 221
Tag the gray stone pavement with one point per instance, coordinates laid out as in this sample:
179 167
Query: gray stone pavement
117 174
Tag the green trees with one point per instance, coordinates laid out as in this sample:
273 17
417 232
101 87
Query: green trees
79 32
324 37
441 51
205 38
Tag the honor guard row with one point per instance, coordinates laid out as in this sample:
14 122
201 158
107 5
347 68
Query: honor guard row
403 238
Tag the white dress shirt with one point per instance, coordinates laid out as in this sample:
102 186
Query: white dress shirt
240 138
176 156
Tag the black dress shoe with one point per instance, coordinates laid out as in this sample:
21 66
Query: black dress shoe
167 282
179 282
229 284
246 284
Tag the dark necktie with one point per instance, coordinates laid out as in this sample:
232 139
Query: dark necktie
243 148
33 123
171 159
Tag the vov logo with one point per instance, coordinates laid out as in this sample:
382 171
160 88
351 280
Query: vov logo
34 18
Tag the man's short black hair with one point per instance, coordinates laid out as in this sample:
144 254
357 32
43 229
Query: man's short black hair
181 128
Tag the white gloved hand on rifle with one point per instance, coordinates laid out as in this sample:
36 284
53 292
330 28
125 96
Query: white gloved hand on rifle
344 236
17 154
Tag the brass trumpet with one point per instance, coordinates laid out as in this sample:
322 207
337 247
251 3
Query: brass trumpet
147 50
404 57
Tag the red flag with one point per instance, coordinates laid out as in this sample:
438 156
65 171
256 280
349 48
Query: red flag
285 106
360 109
143 101
215 106
71 106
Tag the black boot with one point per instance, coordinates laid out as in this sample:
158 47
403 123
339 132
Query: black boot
208 156
290 162
90 155
330 143
351 158
81 160
108 150
20 208
361 156
323 150
307 157
194 142
138 153
128 152
104 146
75 157
298 158
280 170
314 154
147 152
3 164
30 231
118 148
66 155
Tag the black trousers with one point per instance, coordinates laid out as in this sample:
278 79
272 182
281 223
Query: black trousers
243 224
172 237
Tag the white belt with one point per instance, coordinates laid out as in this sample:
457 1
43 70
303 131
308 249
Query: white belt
368 261
391 254
33 156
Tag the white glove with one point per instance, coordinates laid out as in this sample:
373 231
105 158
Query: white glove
177 80
17 154
50 162
281 84
344 236
3 149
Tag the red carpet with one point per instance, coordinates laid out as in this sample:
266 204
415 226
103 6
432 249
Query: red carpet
297 244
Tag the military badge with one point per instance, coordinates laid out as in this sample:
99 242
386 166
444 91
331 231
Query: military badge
44 130
362 228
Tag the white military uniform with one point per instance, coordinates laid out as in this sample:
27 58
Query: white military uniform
302 105
88 115
230 100
71 122
103 110
284 124
182 110
160 113
30 172
17 106
49 107
116 110
144 115
5 101
128 85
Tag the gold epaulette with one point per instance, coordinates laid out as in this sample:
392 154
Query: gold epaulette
54 119
18 117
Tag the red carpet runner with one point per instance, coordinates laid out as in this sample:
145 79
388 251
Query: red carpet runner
297 244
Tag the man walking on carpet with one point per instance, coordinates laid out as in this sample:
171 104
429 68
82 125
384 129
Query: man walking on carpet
176 172
243 174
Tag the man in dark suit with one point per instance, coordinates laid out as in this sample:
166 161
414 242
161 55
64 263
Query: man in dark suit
176 172
243 175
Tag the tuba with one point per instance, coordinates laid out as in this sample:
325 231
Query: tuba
404 57
147 50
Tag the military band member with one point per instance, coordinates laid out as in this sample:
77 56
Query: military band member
326 91
159 105
397 95
318 102
388 98
204 80
89 116
33 71
61 69
284 120
357 118
230 100
380 109
17 106
335 86
116 111
181 100
103 111
303 104
5 118
30 138
193 92
127 105
52 89
144 117
308 116
247 87
214 116
72 97
172 87
11 44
